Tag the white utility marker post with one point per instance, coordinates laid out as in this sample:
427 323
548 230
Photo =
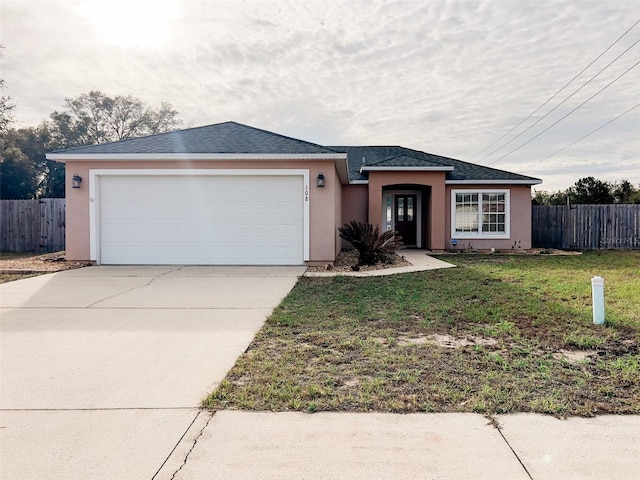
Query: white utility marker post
597 293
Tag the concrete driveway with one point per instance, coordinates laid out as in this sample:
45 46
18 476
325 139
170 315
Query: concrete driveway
103 368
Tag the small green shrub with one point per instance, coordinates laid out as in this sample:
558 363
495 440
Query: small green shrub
372 246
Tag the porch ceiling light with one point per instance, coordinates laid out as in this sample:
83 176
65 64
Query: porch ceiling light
76 181
320 180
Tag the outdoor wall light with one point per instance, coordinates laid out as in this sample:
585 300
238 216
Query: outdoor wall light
76 181
320 180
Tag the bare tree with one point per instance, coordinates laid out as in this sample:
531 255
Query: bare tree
86 120
95 118
6 107
6 110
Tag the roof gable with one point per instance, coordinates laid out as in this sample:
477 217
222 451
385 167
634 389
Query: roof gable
404 162
396 156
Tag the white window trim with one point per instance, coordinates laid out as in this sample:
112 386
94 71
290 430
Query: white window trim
479 235
94 194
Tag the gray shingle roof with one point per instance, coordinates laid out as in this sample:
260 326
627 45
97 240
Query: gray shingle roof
404 161
236 138
228 137
464 171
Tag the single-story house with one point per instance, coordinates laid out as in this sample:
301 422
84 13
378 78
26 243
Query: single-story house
233 194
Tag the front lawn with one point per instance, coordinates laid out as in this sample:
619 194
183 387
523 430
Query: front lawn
498 334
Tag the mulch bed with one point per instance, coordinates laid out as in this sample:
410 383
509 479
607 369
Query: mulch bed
347 261
21 264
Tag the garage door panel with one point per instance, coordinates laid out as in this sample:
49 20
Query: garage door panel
201 219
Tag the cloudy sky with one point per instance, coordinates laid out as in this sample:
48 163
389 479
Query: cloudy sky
446 77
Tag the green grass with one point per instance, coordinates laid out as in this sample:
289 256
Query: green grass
366 344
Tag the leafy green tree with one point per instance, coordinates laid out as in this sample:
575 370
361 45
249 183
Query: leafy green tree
624 191
17 174
589 190
550 198
35 142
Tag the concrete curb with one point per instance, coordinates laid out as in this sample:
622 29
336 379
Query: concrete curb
418 259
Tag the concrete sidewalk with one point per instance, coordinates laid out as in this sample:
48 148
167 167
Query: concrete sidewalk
261 446
418 259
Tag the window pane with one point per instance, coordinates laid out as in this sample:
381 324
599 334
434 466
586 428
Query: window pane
400 211
467 218
467 209
410 209
389 212
494 213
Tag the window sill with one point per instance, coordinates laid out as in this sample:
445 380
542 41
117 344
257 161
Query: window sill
481 237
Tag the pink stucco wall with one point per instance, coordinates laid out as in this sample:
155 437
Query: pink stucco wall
330 207
436 229
520 231
338 218
355 206
325 204
355 203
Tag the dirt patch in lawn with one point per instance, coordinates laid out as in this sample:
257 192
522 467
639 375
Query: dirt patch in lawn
575 356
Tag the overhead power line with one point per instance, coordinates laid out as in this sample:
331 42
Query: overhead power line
528 168
565 116
558 92
562 102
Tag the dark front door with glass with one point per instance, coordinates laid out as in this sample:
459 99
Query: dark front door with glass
406 213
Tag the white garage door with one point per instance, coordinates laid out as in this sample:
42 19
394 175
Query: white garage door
201 220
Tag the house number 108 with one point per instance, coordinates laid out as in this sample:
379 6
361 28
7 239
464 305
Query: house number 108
306 193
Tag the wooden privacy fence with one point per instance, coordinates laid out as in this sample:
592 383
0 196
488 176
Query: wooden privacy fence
586 227
32 225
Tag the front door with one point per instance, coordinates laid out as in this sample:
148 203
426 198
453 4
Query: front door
406 213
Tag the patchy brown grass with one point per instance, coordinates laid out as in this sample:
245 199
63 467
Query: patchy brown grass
496 335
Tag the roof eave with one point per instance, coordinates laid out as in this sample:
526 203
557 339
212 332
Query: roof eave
407 169
343 170
339 158
533 181
69 157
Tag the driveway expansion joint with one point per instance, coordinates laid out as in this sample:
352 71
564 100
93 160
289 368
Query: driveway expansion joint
495 424
193 445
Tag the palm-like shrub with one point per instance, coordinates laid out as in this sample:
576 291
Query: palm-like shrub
372 246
